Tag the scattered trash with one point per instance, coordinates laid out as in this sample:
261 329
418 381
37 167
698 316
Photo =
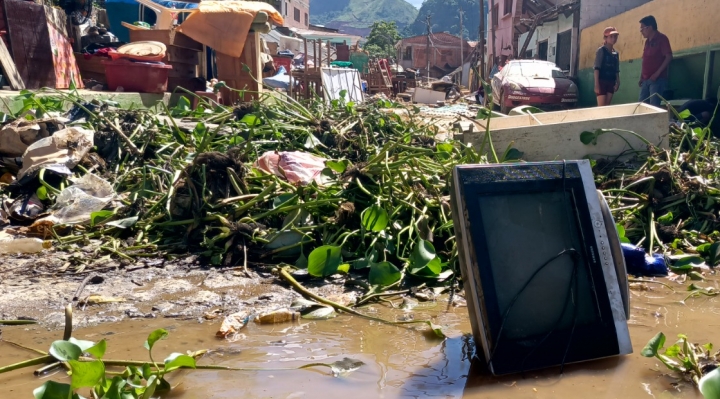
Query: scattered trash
638 263
16 136
232 324
28 207
19 245
277 316
76 203
96 299
295 166
59 153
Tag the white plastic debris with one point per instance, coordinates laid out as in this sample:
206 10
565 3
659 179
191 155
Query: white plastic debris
60 152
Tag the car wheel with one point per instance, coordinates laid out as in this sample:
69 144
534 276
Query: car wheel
503 108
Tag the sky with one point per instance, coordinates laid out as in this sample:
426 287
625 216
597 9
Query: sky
416 3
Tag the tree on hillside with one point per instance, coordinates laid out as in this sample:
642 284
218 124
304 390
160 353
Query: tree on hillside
382 38
445 17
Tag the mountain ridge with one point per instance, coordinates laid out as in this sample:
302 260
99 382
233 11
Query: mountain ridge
356 16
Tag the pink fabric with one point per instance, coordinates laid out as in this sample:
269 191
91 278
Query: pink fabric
295 166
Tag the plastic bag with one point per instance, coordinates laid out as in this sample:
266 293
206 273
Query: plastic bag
638 263
295 166
76 203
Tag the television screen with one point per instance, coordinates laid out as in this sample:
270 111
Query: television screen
540 279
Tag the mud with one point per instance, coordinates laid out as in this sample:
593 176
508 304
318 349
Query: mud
35 287
400 362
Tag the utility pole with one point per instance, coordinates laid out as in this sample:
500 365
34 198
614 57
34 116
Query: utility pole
462 48
481 37
427 49
493 11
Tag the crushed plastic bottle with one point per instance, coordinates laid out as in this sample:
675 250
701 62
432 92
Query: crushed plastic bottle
277 316
23 245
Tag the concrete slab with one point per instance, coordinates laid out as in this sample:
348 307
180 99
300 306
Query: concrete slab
9 101
556 135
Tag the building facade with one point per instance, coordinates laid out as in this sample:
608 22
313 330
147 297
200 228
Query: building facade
296 13
444 52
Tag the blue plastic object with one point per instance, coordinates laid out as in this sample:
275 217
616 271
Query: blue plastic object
638 263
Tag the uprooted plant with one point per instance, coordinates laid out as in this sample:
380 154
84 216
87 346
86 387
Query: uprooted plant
692 362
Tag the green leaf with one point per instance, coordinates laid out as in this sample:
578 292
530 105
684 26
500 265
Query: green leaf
654 345
714 253
320 313
250 120
284 199
53 390
302 261
83 345
177 360
154 337
64 351
666 218
685 114
99 217
686 263
710 385
98 350
344 268
422 254
86 374
432 269
152 384
444 147
436 330
513 155
324 261
343 93
383 273
374 218
123 223
673 350
588 138
337 166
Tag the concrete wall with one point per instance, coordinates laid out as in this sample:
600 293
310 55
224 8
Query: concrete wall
287 10
691 27
595 11
547 31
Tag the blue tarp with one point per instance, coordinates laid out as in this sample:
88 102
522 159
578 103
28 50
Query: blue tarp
281 80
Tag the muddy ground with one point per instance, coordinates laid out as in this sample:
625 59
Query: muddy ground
36 287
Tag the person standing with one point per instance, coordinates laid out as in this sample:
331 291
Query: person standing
656 58
607 68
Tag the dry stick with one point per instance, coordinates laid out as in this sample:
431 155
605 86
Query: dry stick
634 280
284 273
68 322
27 363
15 344
16 322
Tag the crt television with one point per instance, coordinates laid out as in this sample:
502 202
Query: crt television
542 265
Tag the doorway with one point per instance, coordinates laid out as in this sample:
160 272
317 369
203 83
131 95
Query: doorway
543 50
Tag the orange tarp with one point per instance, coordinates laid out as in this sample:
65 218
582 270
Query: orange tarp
224 25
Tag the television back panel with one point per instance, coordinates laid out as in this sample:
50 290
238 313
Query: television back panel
540 278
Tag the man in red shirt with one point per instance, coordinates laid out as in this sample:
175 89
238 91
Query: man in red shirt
656 58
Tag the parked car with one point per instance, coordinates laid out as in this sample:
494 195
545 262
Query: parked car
532 82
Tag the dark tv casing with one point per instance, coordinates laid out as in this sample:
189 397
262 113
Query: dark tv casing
545 206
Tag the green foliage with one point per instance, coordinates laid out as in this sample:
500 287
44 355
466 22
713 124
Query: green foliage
324 261
686 359
382 39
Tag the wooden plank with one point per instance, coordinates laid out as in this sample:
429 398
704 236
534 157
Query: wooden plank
182 55
166 37
9 69
230 70
183 71
30 39
93 65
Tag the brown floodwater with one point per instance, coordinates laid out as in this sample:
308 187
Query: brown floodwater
399 362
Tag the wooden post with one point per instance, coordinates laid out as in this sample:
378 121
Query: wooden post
305 59
328 50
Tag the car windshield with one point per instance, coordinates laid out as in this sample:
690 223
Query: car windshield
535 70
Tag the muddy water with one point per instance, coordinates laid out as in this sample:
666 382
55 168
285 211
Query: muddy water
399 363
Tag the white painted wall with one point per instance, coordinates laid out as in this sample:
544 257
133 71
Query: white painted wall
548 31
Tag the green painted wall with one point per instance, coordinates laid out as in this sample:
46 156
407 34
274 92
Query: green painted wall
687 76
629 90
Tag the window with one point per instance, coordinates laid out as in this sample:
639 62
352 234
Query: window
495 12
508 7
286 8
307 19
408 53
